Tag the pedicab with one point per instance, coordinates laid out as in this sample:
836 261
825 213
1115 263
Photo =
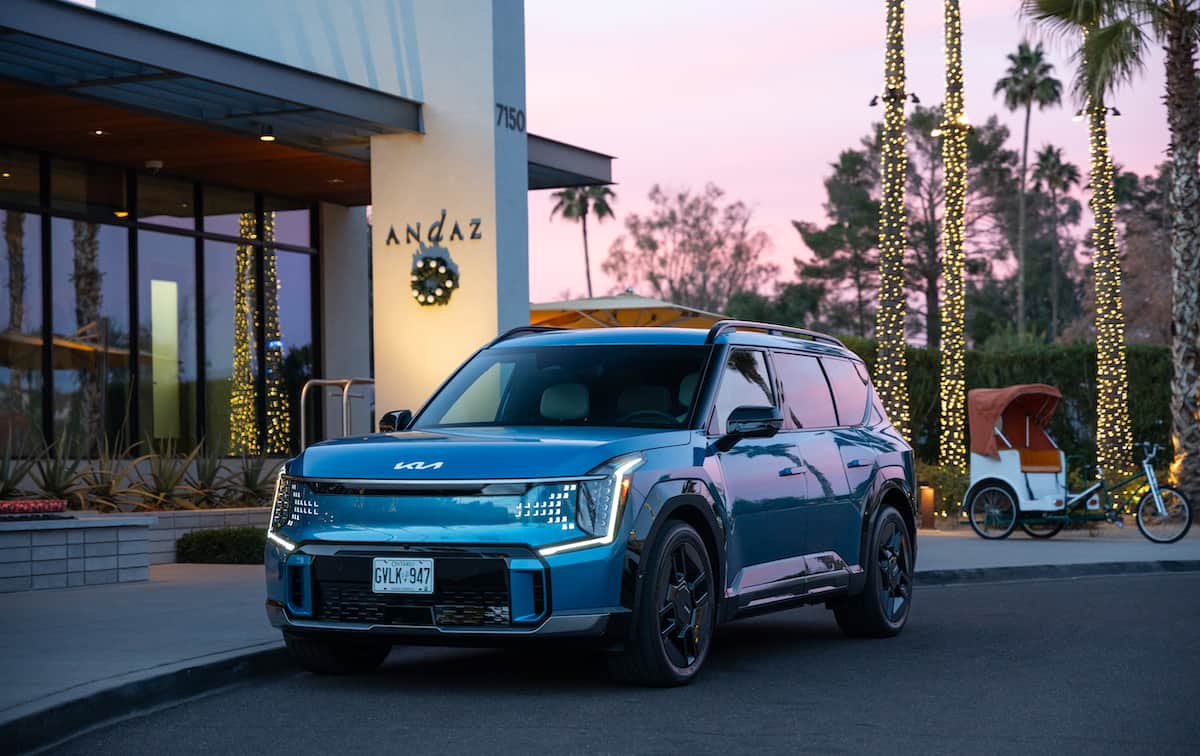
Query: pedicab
1019 475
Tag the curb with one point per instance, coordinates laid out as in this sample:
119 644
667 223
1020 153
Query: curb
1052 571
66 720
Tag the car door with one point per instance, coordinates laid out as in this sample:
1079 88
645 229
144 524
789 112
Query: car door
811 420
855 452
764 481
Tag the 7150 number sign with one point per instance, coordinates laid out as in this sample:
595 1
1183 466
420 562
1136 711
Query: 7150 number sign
510 118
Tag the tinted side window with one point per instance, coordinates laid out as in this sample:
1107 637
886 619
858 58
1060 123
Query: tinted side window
745 382
805 391
849 389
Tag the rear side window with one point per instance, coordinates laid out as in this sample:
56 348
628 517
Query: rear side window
744 383
805 391
849 390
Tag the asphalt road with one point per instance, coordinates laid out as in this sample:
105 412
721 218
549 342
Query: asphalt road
1091 665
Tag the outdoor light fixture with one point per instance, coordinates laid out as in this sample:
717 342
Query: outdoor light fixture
335 181
874 101
1078 115
121 213
1115 112
266 134
98 132
6 174
915 100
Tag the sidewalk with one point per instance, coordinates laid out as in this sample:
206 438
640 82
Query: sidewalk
61 646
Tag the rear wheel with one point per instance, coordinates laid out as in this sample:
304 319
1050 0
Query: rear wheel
336 657
1043 529
1169 525
675 613
992 512
881 610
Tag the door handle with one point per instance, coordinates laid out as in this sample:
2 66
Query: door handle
857 463
797 470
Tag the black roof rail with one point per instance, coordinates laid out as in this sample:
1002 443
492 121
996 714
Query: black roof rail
772 330
522 331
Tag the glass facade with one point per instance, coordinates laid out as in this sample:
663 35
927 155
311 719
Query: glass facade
135 307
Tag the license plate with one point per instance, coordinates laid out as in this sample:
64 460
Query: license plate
392 575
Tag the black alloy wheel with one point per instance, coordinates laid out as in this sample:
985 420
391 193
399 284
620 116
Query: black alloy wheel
674 614
881 609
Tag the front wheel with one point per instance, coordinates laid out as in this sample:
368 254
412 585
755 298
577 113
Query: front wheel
1168 525
675 613
993 513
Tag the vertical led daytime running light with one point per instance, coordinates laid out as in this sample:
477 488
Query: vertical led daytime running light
891 369
952 451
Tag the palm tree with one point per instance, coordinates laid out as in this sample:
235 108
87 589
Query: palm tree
1029 81
575 203
1056 177
1100 70
891 365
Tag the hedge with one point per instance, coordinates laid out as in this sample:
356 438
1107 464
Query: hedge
222 546
1070 367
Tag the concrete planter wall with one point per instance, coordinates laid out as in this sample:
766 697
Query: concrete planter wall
36 554
171 525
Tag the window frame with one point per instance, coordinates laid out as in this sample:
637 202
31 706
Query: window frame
713 425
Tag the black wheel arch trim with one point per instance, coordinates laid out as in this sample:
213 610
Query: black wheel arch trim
665 500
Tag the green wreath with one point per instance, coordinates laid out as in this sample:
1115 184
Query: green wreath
434 279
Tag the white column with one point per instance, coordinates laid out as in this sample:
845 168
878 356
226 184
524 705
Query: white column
345 313
473 169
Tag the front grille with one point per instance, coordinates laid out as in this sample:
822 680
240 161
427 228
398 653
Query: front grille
467 592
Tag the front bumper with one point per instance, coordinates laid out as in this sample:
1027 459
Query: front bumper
484 594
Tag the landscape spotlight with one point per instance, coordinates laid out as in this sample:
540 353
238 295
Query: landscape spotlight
874 101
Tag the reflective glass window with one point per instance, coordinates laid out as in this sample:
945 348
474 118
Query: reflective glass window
21 331
805 391
97 191
849 389
230 353
20 177
288 334
744 383
167 336
90 274
286 221
229 212
166 202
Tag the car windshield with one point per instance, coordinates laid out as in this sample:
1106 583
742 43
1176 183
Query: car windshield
610 385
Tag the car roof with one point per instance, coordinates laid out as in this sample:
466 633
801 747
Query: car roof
665 336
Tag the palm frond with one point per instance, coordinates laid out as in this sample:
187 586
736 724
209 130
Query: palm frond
1113 56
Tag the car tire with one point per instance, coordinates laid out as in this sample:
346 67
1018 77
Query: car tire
664 649
881 609
336 657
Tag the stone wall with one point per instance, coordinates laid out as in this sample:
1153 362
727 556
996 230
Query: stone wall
171 525
36 554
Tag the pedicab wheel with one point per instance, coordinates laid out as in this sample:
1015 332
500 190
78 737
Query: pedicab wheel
1043 529
1168 527
993 513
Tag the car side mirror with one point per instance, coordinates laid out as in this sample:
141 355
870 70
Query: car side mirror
396 420
750 422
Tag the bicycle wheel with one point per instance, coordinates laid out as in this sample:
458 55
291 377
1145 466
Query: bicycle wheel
1043 529
1166 527
993 513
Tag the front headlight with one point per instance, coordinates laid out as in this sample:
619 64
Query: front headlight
281 511
600 502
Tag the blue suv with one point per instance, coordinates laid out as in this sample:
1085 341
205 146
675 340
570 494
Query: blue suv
632 486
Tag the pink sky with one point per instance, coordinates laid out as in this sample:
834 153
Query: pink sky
759 98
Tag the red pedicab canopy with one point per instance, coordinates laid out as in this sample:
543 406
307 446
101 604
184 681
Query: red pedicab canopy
985 406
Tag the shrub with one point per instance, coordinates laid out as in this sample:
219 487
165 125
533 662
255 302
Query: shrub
949 485
222 546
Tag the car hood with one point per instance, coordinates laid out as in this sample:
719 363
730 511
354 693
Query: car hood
477 453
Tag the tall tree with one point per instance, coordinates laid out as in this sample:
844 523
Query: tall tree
891 370
1029 81
845 250
952 382
1056 177
692 249
576 203
1101 69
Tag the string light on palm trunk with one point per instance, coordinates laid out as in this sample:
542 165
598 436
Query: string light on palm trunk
891 369
1114 439
952 449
